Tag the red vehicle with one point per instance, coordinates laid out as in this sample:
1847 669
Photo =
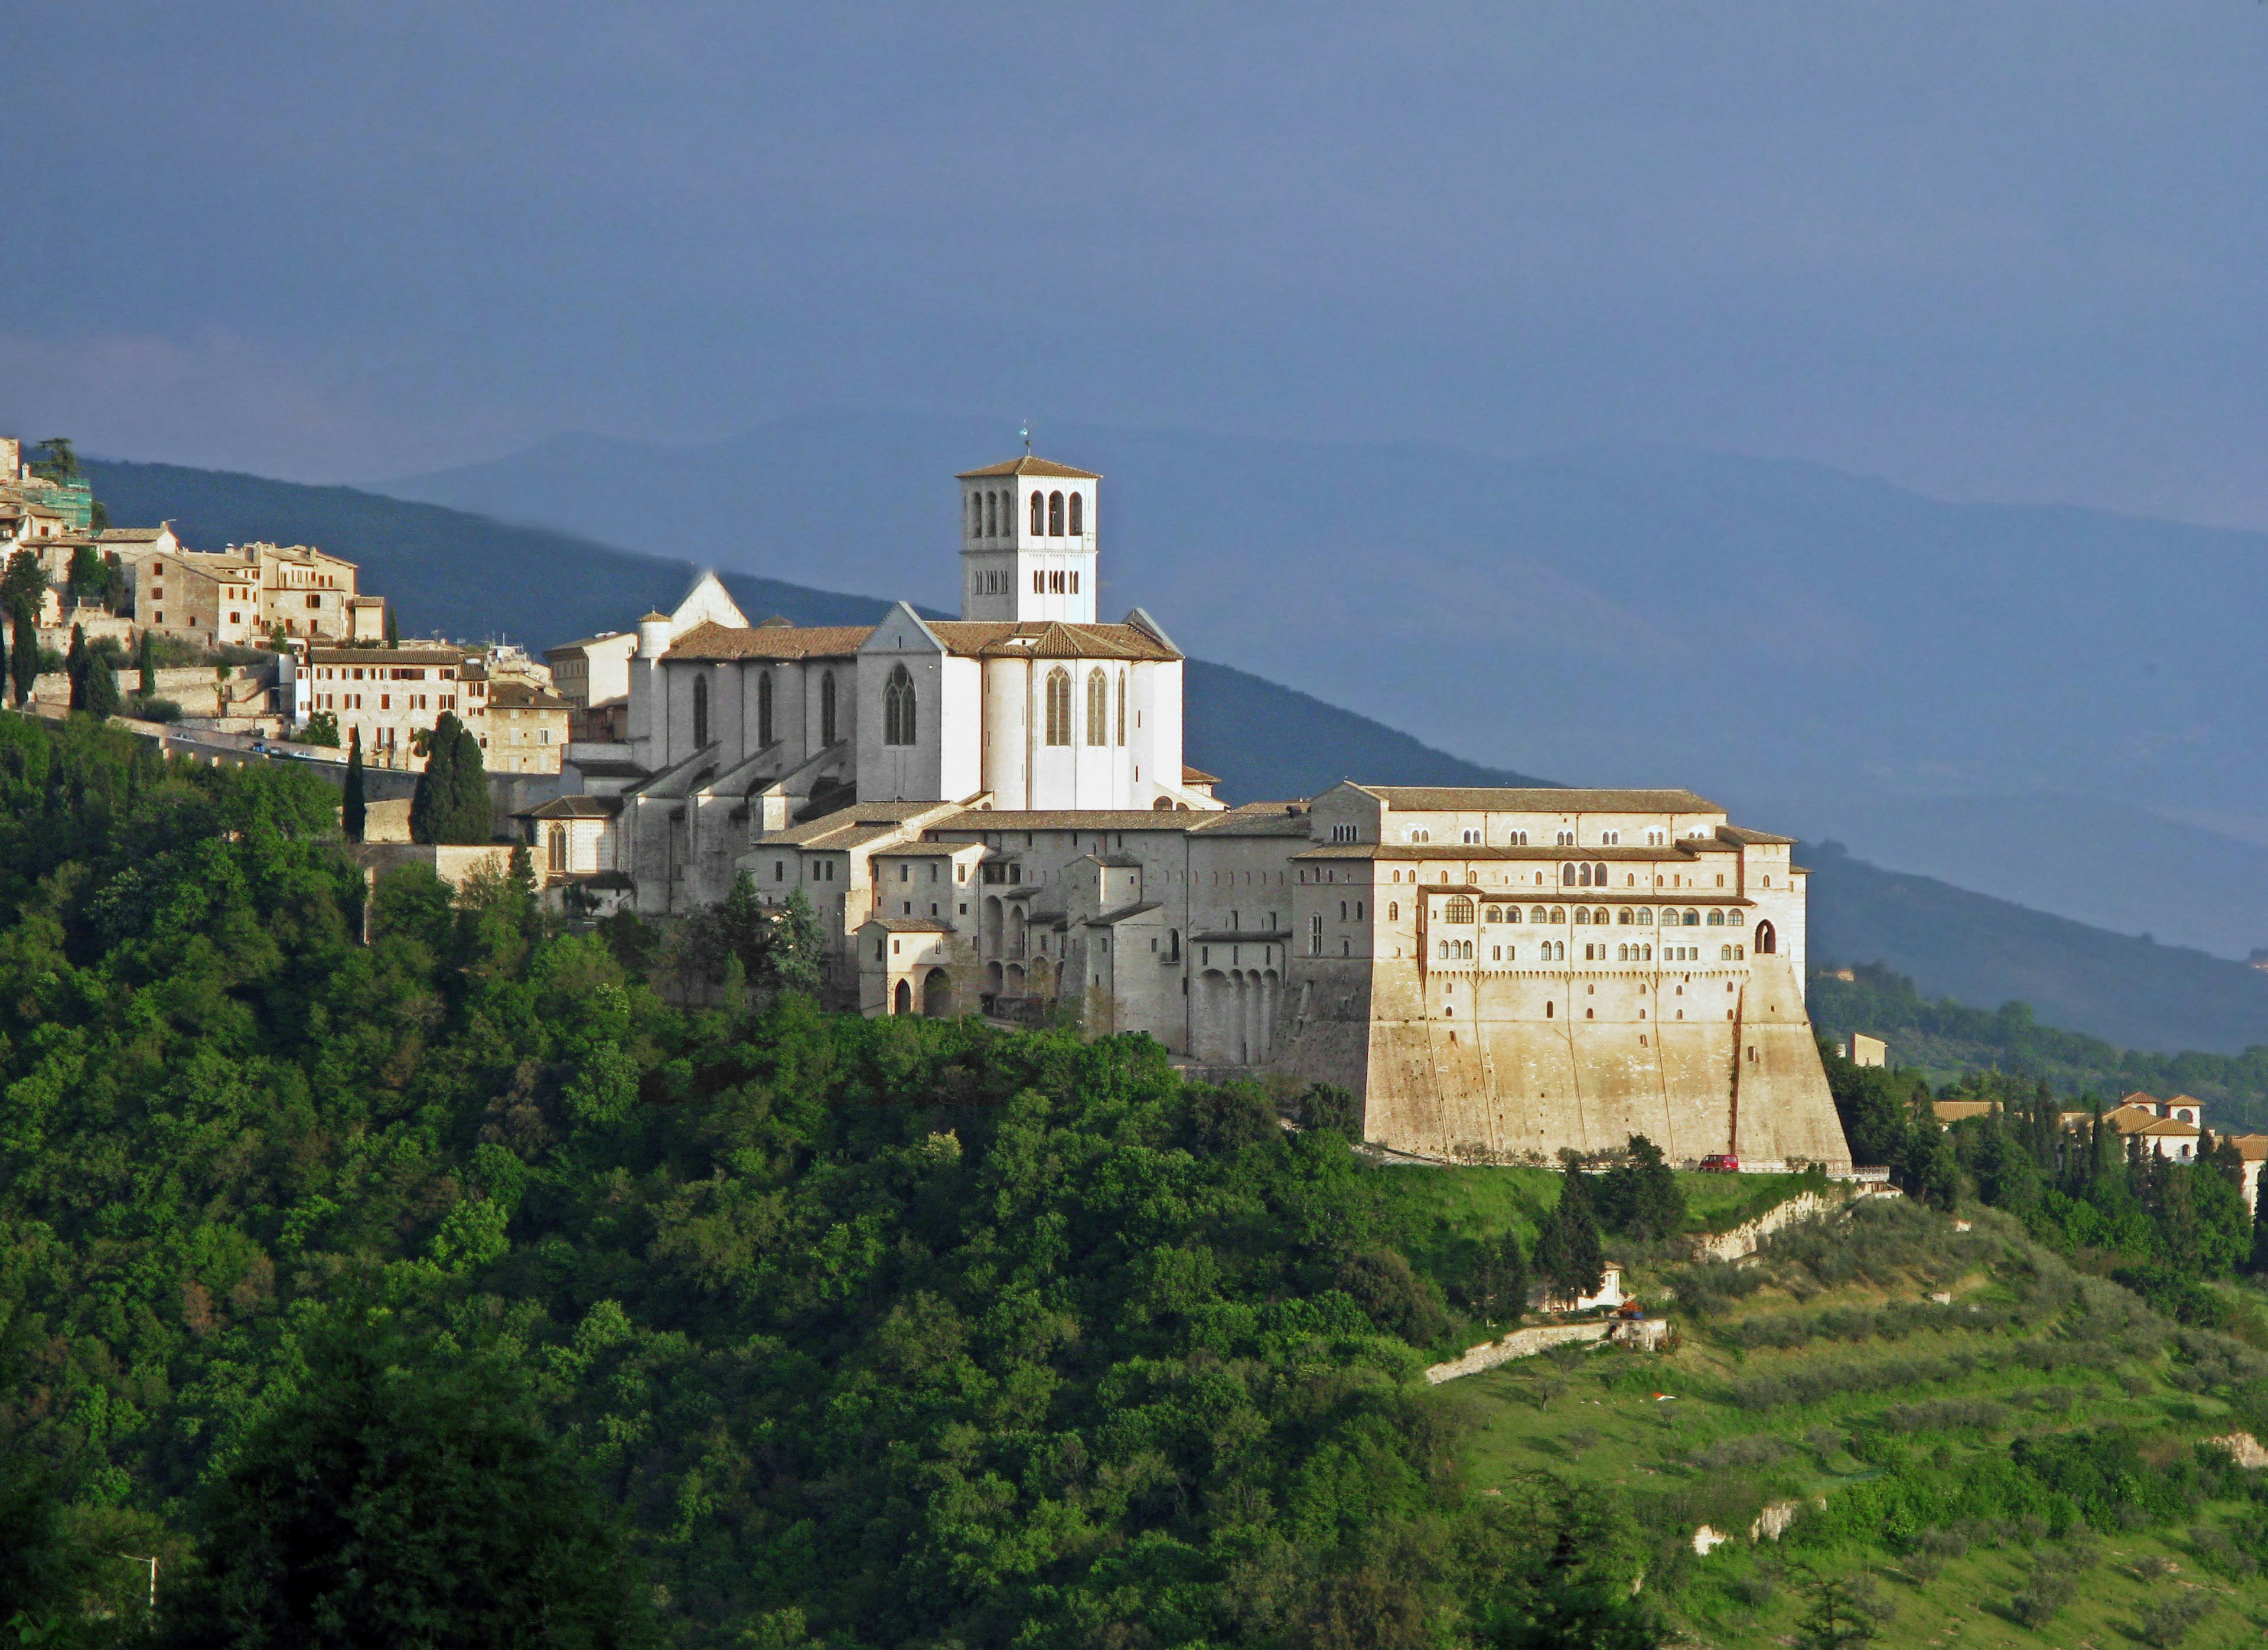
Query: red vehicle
1720 1163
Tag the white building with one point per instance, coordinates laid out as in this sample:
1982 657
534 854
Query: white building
992 814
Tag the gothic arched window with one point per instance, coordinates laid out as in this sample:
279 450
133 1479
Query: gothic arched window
1055 515
1098 708
976 515
1078 514
700 713
1058 701
898 709
558 847
763 709
991 515
827 708
1567 876
1458 910
1039 515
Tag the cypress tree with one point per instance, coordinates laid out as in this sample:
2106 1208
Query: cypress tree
426 802
145 660
1567 1249
2259 1266
4 659
353 810
23 658
75 665
393 629
451 803
101 685
472 818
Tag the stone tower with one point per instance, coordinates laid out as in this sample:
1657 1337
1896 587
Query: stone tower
1028 541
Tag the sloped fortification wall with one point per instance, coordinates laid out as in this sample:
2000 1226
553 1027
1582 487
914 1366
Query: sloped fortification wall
1742 1075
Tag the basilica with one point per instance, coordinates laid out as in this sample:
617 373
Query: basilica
992 815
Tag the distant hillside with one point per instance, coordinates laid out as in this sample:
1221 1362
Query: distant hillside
459 575
1977 949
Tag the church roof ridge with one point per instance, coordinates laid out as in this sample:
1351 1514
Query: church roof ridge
710 640
1028 465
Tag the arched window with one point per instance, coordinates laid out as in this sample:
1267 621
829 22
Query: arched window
1567 876
1716 919
1583 876
976 515
1078 514
1582 917
1512 913
1458 910
700 713
827 708
1767 941
1121 739
763 709
1058 703
1598 876
1440 950
1393 910
1557 914
558 845
1646 916
1495 914
1039 515
1098 708
1735 919
1055 515
1623 917
1539 915
898 725
1693 919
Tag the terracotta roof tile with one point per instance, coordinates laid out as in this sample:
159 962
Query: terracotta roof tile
713 641
1538 800
1029 466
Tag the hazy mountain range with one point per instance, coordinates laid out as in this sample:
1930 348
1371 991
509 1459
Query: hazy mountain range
463 575
2056 704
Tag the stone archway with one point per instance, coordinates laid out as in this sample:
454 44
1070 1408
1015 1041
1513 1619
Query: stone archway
903 1001
1767 941
936 995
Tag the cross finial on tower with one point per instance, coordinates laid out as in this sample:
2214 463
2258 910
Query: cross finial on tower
1026 434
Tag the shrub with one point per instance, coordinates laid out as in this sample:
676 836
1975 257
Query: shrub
2167 1624
158 710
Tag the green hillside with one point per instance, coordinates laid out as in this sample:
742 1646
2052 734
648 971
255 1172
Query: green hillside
399 1256
1944 1041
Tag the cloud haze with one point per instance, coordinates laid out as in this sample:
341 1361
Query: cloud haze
1991 251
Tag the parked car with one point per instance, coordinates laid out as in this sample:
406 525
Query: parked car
1721 1163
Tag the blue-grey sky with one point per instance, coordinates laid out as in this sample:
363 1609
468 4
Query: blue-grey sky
1989 251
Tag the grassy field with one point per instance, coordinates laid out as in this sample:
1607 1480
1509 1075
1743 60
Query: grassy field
1480 1202
1959 1449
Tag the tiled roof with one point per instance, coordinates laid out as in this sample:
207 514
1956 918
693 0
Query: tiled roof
1074 820
1125 911
1029 466
1259 819
385 655
520 696
980 639
2253 1148
2173 1126
577 807
908 924
1538 800
1668 853
710 640
1249 937
1754 839
1197 776
132 535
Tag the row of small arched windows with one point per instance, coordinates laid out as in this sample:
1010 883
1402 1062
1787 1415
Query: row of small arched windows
1054 515
1460 910
1555 950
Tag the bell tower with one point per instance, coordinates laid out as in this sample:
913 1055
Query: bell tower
1028 541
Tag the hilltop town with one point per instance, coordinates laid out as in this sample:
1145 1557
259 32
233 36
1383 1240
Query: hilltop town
991 815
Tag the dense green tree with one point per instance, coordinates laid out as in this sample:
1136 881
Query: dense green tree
1498 1289
1568 1257
322 728
58 460
354 808
24 657
145 661
394 1498
102 696
75 664
89 578
392 629
451 802
1639 1195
